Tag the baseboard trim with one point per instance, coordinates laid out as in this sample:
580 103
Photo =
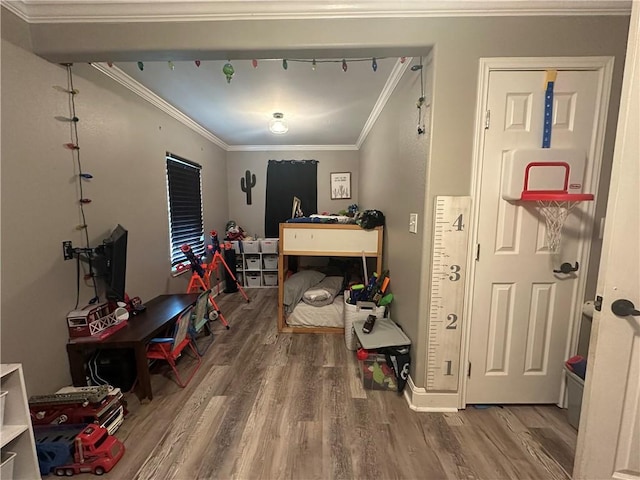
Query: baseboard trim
420 400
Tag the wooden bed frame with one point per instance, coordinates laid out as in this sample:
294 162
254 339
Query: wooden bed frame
323 239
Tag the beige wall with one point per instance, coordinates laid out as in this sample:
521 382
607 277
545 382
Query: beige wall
393 164
455 87
251 217
123 141
458 44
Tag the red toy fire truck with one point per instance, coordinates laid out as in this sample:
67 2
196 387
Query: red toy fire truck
71 449
98 405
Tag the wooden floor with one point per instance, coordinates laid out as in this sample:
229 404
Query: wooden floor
291 406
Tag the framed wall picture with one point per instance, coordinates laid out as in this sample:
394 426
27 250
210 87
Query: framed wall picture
340 185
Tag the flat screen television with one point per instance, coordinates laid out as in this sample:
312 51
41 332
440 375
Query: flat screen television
115 260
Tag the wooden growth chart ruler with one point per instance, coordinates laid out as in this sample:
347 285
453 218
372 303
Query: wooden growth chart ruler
449 257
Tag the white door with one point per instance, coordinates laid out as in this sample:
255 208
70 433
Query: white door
522 312
609 434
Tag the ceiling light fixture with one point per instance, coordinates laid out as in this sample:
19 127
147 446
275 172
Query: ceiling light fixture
277 125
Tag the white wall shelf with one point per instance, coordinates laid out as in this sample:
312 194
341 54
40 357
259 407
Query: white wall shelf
17 434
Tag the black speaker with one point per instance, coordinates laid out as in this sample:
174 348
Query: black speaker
230 260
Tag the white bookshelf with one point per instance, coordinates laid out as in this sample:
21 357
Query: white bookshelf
16 434
258 268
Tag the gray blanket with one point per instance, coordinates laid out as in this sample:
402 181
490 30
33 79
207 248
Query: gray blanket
324 292
297 284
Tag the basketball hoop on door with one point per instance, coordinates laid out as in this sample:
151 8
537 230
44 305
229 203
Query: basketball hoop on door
554 205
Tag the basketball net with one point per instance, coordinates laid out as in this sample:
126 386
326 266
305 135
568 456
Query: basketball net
555 213
555 205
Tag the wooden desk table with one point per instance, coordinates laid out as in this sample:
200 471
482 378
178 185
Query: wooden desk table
161 312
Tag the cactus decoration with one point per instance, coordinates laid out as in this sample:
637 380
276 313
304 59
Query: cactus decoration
247 183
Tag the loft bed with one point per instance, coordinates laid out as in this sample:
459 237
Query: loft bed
326 240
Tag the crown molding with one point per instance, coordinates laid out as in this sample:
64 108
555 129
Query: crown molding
288 148
123 79
392 82
123 11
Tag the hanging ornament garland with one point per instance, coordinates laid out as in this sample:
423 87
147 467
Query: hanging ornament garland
74 146
420 104
228 71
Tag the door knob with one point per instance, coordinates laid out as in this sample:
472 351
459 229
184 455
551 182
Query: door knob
566 267
623 308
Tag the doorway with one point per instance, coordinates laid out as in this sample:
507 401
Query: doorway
523 315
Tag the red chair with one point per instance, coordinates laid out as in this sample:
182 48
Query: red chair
170 348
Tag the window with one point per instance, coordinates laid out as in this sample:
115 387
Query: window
184 192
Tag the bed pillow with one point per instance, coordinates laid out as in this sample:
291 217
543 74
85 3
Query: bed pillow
297 284
324 292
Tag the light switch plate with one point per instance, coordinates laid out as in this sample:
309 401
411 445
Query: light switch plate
413 223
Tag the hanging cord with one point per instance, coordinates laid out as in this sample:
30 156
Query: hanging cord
93 372
75 149
77 282
421 100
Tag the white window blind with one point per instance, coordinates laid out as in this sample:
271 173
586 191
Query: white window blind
184 192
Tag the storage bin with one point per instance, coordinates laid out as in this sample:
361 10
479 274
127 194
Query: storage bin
6 465
270 279
237 247
253 263
253 280
575 386
3 397
251 246
240 278
270 262
376 374
357 312
269 245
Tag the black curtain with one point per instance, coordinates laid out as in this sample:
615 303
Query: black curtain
287 179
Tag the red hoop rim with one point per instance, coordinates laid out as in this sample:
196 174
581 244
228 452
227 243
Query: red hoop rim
554 196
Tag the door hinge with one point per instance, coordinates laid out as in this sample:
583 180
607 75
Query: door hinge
487 119
477 252
469 370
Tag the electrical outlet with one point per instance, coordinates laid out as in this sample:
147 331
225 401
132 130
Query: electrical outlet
413 223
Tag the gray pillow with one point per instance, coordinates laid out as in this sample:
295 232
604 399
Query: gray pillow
323 293
297 284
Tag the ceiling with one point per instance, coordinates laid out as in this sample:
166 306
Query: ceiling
326 108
